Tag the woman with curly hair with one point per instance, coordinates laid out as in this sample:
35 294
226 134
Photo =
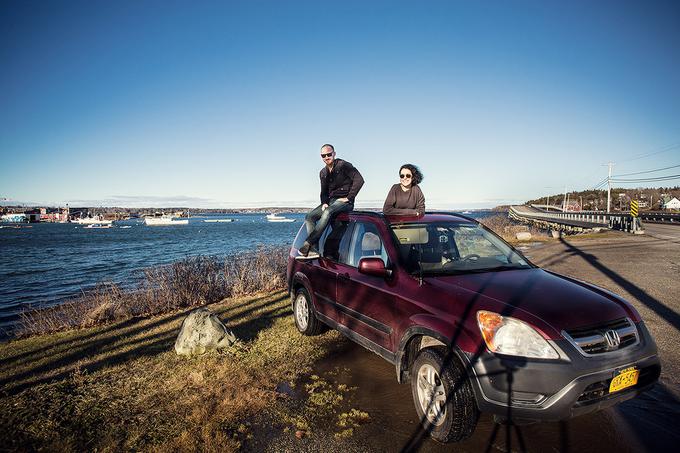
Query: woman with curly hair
406 198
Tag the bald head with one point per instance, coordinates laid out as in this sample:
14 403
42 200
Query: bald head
328 154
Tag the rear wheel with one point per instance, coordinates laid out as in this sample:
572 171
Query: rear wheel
443 396
303 312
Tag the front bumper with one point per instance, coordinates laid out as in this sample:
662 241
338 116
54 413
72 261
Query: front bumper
554 390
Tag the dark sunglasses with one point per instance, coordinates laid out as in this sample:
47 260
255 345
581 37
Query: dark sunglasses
405 176
327 155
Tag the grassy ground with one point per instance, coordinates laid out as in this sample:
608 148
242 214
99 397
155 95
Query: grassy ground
122 387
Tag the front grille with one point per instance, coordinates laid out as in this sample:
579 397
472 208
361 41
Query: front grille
612 336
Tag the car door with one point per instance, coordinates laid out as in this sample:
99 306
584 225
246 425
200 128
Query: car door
323 272
366 301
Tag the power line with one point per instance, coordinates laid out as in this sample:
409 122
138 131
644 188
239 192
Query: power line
660 178
600 184
648 171
664 149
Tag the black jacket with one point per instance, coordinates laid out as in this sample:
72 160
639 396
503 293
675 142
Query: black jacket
343 182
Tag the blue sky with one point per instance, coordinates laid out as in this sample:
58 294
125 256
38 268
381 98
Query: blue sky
225 104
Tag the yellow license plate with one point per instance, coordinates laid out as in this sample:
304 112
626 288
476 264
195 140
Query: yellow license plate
626 378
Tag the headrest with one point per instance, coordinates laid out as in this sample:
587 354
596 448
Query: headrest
370 241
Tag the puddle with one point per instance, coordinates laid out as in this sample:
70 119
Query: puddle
646 423
284 388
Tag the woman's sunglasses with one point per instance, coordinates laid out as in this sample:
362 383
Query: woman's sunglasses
405 176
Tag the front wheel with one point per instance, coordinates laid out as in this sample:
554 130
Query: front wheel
303 312
443 396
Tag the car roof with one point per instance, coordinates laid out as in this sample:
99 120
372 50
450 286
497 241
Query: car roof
428 217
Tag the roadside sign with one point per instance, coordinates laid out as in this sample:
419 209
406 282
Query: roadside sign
634 208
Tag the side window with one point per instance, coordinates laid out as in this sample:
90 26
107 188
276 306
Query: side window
300 238
366 242
333 242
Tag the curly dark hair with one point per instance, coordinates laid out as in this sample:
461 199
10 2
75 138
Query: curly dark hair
415 171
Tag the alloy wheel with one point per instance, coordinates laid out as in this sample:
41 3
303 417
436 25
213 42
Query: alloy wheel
301 311
431 394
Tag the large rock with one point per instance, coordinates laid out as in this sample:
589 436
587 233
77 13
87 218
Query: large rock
523 236
202 331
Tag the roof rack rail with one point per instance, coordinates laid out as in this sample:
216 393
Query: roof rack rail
452 213
384 217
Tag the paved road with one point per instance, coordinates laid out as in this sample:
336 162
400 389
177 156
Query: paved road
663 231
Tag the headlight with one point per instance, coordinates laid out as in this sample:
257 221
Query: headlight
504 335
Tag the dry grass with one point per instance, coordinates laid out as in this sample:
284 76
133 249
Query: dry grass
121 387
191 282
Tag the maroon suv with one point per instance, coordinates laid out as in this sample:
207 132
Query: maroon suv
469 321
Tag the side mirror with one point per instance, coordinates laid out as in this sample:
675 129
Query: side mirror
374 266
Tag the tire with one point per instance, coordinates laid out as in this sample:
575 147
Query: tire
443 396
303 313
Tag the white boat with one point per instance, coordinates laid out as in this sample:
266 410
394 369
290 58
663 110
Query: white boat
278 218
164 219
98 225
96 220
218 220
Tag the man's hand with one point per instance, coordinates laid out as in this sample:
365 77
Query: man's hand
344 200
323 207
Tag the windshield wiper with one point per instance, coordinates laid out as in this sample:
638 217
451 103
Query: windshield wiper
435 273
506 267
448 272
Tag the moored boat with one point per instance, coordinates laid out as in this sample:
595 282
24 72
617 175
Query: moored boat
277 218
98 225
95 220
164 219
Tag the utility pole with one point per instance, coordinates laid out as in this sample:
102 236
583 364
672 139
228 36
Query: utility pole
547 203
580 203
609 187
564 200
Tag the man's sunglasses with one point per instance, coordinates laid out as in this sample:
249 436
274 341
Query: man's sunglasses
326 155
405 176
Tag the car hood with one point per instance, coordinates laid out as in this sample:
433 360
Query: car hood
548 301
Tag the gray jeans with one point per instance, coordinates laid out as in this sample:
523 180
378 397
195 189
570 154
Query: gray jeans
317 219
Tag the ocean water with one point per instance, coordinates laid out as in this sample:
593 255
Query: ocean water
45 264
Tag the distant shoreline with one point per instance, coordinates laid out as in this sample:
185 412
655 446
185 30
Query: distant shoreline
197 211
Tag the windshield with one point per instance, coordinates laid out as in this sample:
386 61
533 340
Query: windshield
453 248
